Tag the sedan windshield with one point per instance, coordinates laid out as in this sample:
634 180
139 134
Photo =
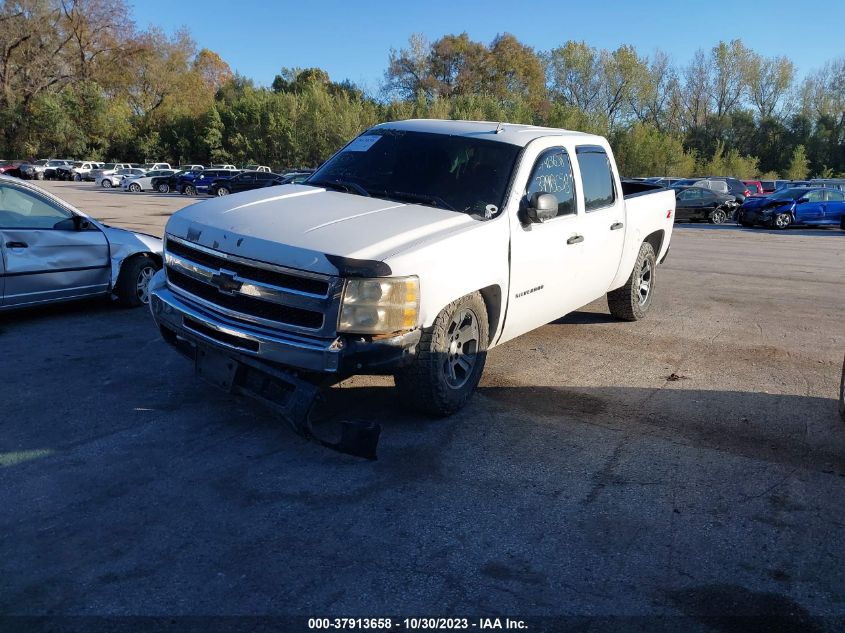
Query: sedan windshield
463 174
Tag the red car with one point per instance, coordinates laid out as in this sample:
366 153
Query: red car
755 187
10 167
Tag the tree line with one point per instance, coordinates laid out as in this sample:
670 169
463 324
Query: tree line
78 78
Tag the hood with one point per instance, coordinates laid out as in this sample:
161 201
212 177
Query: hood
311 222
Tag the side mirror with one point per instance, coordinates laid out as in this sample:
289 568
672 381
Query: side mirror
73 223
541 207
803 199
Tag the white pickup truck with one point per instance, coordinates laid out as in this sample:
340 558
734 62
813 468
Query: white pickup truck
414 250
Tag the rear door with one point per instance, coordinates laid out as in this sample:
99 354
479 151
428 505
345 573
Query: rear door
834 206
603 224
44 257
243 182
687 203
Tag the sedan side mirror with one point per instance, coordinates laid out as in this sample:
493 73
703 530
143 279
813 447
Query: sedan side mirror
541 207
803 200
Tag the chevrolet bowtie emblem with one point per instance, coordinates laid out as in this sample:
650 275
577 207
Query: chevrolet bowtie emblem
226 282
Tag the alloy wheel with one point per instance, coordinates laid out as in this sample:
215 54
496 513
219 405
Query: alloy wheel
462 352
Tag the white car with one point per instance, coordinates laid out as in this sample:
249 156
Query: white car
415 249
191 168
136 184
113 179
262 168
156 166
108 169
229 167
51 251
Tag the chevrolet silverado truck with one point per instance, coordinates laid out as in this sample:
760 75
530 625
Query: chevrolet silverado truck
413 251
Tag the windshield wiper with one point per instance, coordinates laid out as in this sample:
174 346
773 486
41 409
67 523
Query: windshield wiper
430 198
343 185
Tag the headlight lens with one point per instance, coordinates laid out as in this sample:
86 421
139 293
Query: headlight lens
380 306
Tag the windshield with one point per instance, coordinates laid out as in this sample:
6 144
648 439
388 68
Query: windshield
463 174
788 194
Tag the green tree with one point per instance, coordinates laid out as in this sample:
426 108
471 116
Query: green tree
799 166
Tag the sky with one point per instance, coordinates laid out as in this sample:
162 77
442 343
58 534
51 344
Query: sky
351 40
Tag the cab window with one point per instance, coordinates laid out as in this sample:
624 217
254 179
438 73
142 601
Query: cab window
596 178
553 174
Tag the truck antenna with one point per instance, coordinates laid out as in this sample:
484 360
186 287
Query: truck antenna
499 128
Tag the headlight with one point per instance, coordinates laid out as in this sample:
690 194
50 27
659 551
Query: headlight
380 306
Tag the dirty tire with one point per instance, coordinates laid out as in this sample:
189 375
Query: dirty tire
135 272
632 301
428 385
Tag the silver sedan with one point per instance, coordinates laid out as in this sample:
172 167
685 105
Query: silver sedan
51 251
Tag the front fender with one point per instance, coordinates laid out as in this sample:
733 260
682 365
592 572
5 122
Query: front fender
124 244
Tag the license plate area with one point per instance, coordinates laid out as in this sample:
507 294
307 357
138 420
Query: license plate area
216 368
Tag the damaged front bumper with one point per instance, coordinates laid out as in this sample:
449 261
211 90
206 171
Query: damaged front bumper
284 372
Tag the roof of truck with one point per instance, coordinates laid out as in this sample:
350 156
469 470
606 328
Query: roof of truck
513 133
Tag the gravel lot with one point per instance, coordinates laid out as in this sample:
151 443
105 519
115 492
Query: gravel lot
690 464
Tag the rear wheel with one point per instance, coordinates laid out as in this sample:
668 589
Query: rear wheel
77 177
450 359
132 288
223 191
190 190
164 188
632 301
782 221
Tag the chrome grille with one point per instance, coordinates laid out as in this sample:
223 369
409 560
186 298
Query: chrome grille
254 292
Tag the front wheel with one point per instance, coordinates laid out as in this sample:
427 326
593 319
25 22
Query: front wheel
222 191
782 221
190 190
164 188
133 284
718 216
106 183
632 301
77 178
450 359
135 187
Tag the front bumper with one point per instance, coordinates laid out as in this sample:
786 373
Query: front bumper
186 325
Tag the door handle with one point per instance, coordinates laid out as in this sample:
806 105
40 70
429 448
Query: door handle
17 245
575 239
616 226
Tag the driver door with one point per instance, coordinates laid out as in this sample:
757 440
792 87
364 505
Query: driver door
45 257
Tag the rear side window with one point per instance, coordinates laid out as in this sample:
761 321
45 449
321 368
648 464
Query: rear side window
553 174
596 178
835 195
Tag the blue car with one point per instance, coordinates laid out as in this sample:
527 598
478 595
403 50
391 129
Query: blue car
806 206
199 182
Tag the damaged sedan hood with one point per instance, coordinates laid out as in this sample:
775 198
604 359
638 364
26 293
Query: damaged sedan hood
298 225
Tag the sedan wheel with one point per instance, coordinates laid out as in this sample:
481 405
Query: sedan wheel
222 191
135 187
718 216
164 188
106 184
782 220
190 190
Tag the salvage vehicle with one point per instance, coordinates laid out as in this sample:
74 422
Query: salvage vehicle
700 204
53 252
263 168
11 168
168 183
78 171
244 181
109 169
113 179
136 184
795 206
414 250
201 181
38 169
